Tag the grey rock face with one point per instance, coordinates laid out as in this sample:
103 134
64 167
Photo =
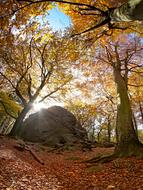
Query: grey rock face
52 126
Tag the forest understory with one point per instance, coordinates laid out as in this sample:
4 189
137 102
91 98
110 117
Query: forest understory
65 170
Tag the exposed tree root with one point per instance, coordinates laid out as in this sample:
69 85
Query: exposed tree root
130 151
102 159
134 149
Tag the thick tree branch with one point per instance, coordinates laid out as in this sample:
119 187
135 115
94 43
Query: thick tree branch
9 81
43 82
58 88
29 87
15 87
102 23
6 111
130 11
134 85
91 7
30 52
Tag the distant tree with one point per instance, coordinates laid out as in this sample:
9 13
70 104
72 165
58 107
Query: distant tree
85 113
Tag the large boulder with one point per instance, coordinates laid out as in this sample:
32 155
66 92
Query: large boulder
52 126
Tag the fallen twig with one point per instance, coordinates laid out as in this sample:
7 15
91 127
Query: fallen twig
23 146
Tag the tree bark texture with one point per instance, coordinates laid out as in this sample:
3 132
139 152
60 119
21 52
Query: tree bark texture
130 11
19 120
128 142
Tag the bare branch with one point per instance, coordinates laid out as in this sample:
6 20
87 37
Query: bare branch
134 85
42 64
6 111
58 88
5 77
109 56
29 87
46 78
102 23
91 7
87 11
17 88
30 48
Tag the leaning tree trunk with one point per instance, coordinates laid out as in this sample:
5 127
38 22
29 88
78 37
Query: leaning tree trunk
16 127
128 143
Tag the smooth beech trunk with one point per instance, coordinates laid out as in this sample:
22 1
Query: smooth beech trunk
19 120
128 143
130 11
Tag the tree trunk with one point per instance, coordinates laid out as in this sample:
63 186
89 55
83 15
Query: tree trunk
109 130
98 136
19 120
141 111
130 11
2 125
128 143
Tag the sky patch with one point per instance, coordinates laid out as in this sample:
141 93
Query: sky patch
58 20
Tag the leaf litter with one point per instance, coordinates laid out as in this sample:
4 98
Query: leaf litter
65 170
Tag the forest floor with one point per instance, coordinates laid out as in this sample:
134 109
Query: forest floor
19 170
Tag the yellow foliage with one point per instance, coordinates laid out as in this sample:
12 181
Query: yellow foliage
12 106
